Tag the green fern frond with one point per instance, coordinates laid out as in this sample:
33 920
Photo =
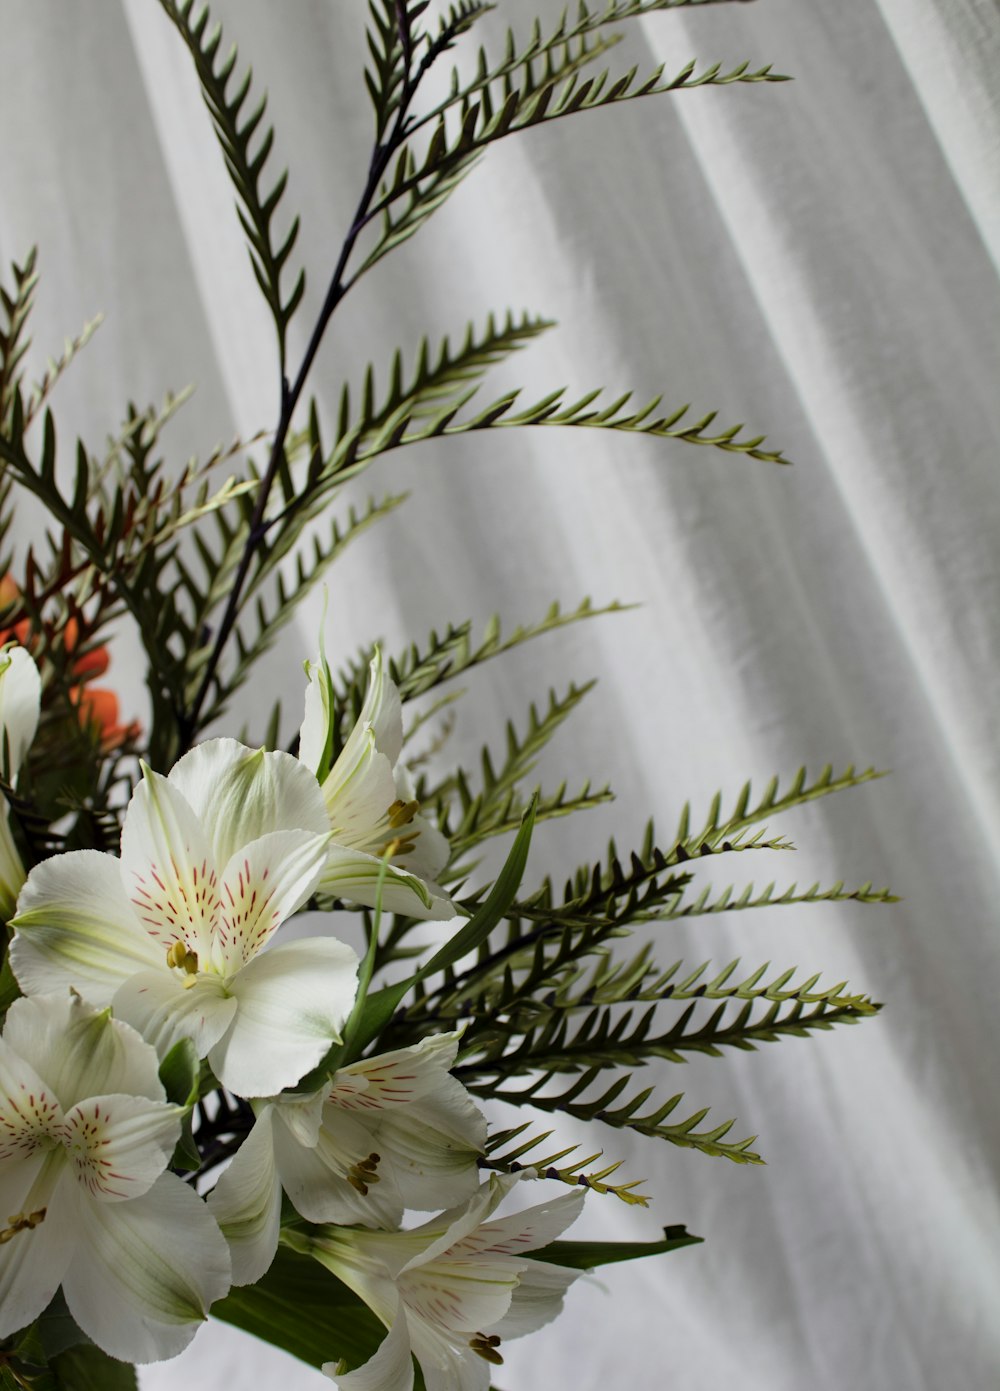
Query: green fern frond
246 146
447 655
708 902
404 426
506 814
606 1038
549 1166
424 183
16 305
56 367
743 816
629 1115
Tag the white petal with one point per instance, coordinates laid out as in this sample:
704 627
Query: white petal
263 884
353 874
461 1295
145 1272
314 732
315 1178
293 1001
75 926
537 1300
390 1369
29 1108
11 867
20 698
246 1203
33 1262
168 866
118 1146
439 1234
164 1011
429 854
430 1167
302 1116
81 1051
529 1230
397 1078
241 794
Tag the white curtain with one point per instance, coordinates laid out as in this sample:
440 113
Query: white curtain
818 259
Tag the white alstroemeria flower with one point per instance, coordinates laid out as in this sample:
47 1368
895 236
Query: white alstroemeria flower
214 858
86 1135
450 1291
386 1133
369 801
20 699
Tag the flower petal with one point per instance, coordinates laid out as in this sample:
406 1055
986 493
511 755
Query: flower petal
145 1272
75 926
394 1079
159 1005
34 1261
314 731
81 1051
537 1300
264 883
20 700
528 1230
240 794
29 1108
293 1001
354 875
360 788
119 1145
431 1167
390 1369
246 1203
11 867
168 866
315 1178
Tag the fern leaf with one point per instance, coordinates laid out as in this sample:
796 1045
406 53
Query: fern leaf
246 146
629 1115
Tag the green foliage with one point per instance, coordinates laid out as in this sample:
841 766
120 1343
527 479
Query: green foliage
301 1307
629 1115
246 146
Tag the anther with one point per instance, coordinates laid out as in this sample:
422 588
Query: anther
21 1222
486 1348
402 813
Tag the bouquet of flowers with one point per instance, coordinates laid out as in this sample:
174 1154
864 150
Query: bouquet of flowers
199 1109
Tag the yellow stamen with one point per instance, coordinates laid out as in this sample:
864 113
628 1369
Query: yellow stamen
180 956
21 1222
402 813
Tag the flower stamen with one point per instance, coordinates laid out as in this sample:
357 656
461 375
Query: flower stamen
21 1222
362 1174
181 957
486 1348
402 813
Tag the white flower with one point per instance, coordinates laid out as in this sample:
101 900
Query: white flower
85 1137
20 699
369 801
213 859
450 1291
387 1133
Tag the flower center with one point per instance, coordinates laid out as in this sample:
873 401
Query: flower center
180 957
21 1222
486 1348
362 1175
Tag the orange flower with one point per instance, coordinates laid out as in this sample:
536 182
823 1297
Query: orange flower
98 706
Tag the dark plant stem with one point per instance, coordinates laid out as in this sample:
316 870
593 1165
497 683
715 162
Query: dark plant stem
382 155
